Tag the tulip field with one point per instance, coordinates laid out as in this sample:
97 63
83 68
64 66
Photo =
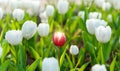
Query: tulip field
59 35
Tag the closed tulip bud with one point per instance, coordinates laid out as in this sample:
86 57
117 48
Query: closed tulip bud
62 6
43 29
106 6
103 34
109 17
99 3
49 10
1 13
18 14
29 29
81 14
92 24
99 67
1 51
50 64
95 15
44 17
59 39
14 37
74 50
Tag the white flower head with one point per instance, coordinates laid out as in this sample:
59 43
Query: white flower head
116 4
87 2
18 14
92 24
1 51
49 10
43 16
1 13
43 29
29 29
99 3
35 6
62 6
81 14
95 15
106 6
50 64
103 34
14 37
74 50
99 67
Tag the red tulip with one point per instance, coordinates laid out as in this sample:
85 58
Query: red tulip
59 39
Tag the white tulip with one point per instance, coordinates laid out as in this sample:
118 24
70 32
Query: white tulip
116 3
62 6
35 6
103 34
99 67
18 14
43 29
99 3
1 51
29 29
109 17
49 10
14 37
81 14
106 6
92 24
87 2
50 64
71 1
95 15
74 50
44 17
1 13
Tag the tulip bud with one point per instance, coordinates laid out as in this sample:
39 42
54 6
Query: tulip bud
14 37
99 67
43 29
1 13
44 17
81 14
1 51
103 34
109 17
50 64
95 15
106 6
29 29
49 10
59 39
18 14
92 24
62 6
74 50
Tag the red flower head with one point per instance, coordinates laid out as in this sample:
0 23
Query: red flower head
59 39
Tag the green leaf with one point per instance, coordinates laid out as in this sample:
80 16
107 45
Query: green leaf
63 56
69 60
83 66
34 53
22 56
33 66
112 65
5 65
81 57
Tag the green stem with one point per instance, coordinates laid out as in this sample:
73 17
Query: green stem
59 56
